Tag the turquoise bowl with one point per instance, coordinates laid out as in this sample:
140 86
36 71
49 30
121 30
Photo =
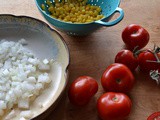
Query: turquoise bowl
109 7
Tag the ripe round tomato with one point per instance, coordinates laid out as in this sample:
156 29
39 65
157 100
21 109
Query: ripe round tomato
114 106
117 78
154 116
144 64
82 90
127 58
135 36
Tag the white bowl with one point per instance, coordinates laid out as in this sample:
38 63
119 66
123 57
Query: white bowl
45 43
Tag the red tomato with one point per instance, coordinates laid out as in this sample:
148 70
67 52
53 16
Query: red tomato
82 90
127 58
154 116
135 35
144 64
114 106
117 78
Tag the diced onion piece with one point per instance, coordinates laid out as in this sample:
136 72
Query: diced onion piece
33 61
31 79
6 72
2 105
44 67
26 114
39 86
23 41
22 118
45 61
2 95
23 103
43 78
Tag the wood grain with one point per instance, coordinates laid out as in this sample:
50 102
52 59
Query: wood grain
90 55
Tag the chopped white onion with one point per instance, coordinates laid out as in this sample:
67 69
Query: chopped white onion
23 103
45 61
43 66
26 114
22 77
22 118
23 41
2 105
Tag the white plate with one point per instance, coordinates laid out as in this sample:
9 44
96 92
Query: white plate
45 43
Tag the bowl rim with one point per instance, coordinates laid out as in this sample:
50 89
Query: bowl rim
105 17
66 72
45 24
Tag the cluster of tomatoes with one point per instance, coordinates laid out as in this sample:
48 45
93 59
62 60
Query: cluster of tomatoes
117 79
136 37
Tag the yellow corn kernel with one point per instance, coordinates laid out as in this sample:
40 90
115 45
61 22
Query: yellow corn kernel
56 1
95 13
76 14
57 13
83 11
88 20
99 17
91 12
92 7
98 9
83 3
68 9
43 7
63 1
72 19
57 5
60 18
79 19
83 21
51 8
77 5
67 17
53 16
73 9
49 2
85 16
71 5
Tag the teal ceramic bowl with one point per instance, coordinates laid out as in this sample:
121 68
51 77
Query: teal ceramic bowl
109 7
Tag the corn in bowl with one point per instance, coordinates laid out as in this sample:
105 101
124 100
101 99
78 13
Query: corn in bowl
73 11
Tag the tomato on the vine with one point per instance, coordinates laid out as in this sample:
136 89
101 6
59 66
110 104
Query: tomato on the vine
114 106
117 78
147 61
82 90
135 36
127 58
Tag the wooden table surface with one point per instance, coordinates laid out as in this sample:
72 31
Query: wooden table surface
90 55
